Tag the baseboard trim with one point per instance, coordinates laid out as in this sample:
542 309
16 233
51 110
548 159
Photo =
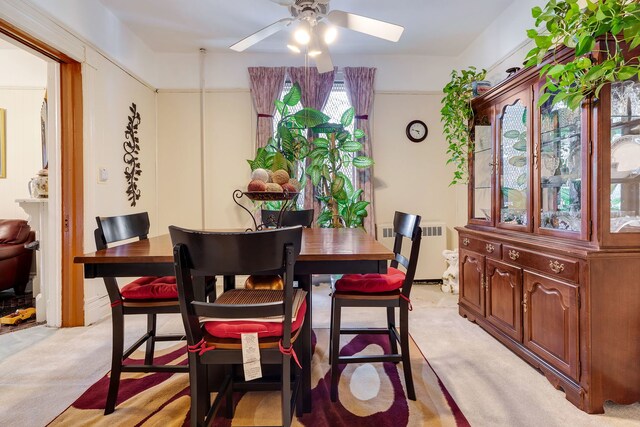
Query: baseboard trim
95 309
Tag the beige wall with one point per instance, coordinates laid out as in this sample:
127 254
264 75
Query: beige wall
410 177
23 78
108 93
228 143
23 146
413 177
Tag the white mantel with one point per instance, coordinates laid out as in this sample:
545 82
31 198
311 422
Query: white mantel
38 209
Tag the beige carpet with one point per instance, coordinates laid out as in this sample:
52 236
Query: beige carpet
47 369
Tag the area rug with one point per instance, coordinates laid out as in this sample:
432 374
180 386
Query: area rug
370 395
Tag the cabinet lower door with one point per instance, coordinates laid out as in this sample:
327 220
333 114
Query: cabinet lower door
504 298
551 314
472 280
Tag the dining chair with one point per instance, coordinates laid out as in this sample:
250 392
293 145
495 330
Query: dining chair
391 290
215 329
288 218
146 295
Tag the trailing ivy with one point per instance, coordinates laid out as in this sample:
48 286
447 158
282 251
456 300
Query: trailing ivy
456 115
563 23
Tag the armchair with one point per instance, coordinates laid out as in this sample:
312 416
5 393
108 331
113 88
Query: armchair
15 259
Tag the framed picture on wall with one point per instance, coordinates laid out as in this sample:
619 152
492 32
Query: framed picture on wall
3 143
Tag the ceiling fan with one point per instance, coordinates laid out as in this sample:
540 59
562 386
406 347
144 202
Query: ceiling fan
315 31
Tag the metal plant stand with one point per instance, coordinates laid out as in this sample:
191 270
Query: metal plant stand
265 196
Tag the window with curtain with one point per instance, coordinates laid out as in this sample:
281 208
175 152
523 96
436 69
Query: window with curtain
337 104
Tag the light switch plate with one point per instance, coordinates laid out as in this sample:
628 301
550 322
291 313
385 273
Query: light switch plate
103 175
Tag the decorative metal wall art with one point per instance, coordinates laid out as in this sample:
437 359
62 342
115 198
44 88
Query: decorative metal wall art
131 146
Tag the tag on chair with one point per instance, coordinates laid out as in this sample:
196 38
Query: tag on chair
251 356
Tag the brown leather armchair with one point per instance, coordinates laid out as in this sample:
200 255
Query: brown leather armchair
15 259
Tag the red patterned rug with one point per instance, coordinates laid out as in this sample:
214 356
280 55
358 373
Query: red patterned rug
369 394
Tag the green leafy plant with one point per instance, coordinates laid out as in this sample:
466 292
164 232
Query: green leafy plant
456 115
564 23
331 148
289 146
334 149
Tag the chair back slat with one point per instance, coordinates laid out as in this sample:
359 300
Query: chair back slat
231 253
238 311
402 260
123 227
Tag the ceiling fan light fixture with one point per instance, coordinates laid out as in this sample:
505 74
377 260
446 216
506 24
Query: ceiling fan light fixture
330 34
293 48
302 35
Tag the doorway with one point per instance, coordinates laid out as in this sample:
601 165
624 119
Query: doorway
65 301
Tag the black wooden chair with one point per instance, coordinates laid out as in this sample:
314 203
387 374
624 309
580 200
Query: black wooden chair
391 290
146 295
287 218
237 311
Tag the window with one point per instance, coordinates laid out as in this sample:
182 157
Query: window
336 105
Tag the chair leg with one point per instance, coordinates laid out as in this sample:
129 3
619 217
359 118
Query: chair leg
285 388
117 321
331 331
391 324
406 357
151 330
198 390
335 350
229 396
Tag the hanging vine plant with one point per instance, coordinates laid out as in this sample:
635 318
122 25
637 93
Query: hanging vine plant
564 23
131 146
456 115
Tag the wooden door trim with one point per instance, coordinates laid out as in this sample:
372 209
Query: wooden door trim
71 173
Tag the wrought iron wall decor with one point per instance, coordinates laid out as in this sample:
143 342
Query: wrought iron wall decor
131 146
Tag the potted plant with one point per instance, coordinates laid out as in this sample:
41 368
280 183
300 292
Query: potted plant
456 115
331 149
334 149
289 146
564 23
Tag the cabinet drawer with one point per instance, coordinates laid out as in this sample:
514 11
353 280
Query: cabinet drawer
484 247
551 265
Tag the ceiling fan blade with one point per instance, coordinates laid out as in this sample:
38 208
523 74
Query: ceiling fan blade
324 64
261 35
284 2
362 24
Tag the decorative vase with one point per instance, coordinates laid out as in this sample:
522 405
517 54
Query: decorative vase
39 185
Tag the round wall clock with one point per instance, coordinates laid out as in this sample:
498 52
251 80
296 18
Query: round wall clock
417 131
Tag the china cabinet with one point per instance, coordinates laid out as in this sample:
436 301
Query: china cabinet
550 257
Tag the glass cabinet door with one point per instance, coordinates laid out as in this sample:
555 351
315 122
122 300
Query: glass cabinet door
513 200
625 157
482 173
560 165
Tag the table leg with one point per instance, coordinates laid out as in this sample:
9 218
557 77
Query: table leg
304 282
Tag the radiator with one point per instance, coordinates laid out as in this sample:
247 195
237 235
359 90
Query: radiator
431 263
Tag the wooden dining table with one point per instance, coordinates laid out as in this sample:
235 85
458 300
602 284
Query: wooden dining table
323 251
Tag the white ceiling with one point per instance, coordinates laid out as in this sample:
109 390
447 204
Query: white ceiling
432 27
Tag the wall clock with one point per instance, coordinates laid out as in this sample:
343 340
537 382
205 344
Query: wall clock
417 131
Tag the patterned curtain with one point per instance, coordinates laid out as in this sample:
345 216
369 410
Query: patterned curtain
359 85
266 86
315 89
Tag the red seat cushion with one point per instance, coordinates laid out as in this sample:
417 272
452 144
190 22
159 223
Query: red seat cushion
371 283
233 329
151 288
